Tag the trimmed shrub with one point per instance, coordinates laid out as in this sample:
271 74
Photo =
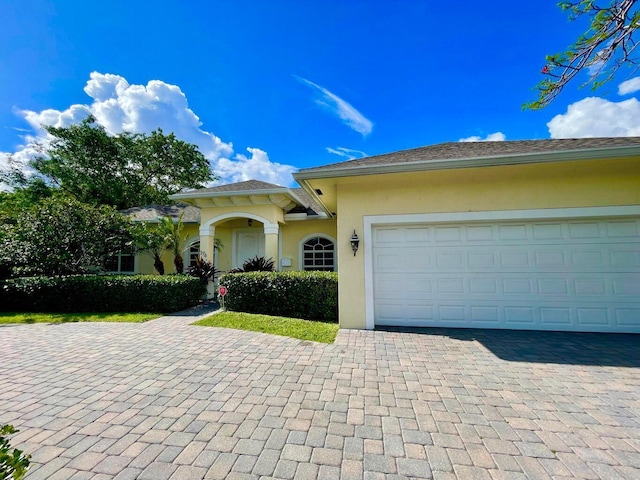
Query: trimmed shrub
307 295
101 293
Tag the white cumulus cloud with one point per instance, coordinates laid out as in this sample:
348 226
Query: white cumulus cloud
597 117
257 166
492 137
348 153
344 110
630 86
120 106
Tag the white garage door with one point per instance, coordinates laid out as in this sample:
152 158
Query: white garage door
581 275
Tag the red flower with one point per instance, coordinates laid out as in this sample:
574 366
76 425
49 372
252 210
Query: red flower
545 69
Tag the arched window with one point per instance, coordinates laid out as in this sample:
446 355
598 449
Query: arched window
193 253
319 253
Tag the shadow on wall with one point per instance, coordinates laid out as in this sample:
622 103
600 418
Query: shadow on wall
603 349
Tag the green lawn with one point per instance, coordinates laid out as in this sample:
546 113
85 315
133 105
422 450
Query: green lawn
315 331
75 317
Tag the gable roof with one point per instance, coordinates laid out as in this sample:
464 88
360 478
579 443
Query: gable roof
459 151
151 213
248 185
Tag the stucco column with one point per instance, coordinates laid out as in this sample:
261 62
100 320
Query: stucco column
207 238
271 243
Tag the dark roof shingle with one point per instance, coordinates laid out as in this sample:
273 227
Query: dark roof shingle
460 150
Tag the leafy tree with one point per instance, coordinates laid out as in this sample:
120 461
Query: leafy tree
603 49
123 170
60 236
22 198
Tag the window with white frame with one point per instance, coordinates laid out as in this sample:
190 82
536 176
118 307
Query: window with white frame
193 253
318 253
122 262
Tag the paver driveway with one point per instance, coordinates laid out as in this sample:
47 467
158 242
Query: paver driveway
168 400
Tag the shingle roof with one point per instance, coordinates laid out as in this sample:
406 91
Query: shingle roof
307 200
150 213
460 150
240 187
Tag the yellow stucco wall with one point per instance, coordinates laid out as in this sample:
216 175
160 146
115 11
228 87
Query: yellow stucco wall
291 234
294 232
523 187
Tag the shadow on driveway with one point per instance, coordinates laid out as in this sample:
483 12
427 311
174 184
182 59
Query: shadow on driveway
602 349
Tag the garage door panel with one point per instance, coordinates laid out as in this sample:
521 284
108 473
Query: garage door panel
557 275
485 315
627 317
594 317
555 317
623 229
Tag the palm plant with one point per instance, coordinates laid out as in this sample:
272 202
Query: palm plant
174 240
149 238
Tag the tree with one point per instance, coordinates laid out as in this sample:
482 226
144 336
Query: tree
606 46
174 241
61 236
149 238
123 170
22 198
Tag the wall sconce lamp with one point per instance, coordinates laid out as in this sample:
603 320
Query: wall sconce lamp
355 241
250 222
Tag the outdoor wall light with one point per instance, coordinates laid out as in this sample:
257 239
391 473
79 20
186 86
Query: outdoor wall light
250 222
355 241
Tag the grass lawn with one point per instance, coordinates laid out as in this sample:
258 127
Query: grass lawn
315 331
75 317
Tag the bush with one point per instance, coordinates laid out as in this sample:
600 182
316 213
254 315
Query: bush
13 462
100 293
255 264
308 295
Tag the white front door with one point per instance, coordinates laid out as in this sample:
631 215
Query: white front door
249 243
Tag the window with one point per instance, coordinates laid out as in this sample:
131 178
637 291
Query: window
318 253
194 253
123 262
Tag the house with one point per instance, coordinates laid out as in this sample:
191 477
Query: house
535 234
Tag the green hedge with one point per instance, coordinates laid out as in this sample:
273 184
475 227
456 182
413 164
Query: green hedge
100 293
308 295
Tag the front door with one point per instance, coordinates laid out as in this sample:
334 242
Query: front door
249 243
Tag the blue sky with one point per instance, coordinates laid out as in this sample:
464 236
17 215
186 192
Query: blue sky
267 87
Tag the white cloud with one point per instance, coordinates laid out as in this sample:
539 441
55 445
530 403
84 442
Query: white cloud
492 137
630 86
347 113
120 106
258 166
597 117
348 153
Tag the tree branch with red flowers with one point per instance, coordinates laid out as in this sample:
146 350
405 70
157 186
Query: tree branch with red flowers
607 46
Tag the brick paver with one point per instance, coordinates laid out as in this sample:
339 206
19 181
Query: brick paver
167 400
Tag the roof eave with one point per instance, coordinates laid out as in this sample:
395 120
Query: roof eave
239 193
314 195
473 162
